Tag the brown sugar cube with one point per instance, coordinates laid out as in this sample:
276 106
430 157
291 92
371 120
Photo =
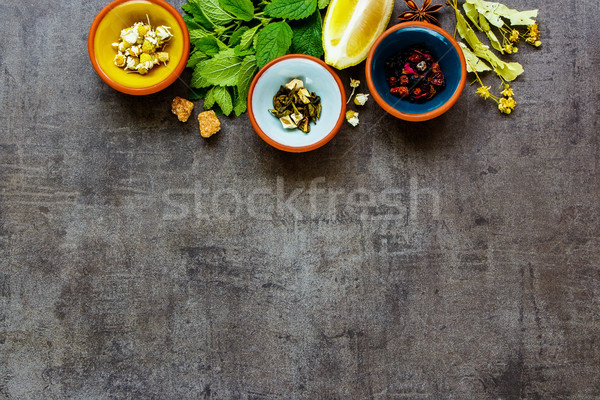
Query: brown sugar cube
209 123
182 108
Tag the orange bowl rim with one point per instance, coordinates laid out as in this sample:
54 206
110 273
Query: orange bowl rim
153 88
421 116
301 149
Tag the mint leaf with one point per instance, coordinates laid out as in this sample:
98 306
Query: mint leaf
241 9
273 41
322 4
307 36
247 37
209 45
223 99
189 21
195 58
247 72
195 9
291 9
242 53
236 36
222 69
198 80
212 10
209 100
196 34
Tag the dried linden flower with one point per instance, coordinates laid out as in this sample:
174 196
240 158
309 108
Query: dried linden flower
361 99
354 83
352 117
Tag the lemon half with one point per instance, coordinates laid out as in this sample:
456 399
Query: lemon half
351 27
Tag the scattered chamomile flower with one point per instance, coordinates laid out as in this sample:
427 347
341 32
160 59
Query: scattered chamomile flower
354 83
352 118
361 99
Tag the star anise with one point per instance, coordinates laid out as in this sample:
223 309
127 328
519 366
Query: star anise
421 14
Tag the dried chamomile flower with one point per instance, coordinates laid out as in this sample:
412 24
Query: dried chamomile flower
354 83
361 99
352 117
140 47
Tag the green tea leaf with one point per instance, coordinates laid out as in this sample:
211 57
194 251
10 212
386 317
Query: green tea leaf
274 40
241 9
474 64
291 9
222 69
248 37
322 4
223 99
236 37
307 37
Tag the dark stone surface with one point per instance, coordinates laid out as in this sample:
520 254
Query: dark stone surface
457 258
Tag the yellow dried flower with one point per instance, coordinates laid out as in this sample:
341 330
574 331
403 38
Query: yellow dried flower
514 36
361 99
507 105
508 92
484 91
352 117
354 83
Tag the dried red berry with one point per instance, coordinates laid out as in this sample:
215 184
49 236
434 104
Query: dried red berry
393 81
403 80
437 79
417 91
415 58
428 57
400 91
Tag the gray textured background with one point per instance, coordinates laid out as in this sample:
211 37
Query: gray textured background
457 258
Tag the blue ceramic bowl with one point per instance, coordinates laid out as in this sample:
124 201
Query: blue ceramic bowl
318 77
444 48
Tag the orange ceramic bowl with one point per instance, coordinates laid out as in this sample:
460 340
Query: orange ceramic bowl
443 47
121 14
318 77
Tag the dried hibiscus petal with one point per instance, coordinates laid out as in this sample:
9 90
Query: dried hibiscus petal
400 91
414 75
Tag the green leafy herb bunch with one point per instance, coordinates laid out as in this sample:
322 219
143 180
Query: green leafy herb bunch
232 39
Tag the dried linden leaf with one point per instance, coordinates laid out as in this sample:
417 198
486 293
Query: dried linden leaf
494 12
474 64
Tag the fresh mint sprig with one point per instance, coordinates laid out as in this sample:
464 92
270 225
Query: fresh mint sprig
232 39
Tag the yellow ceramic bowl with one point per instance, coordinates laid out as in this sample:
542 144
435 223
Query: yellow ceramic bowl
121 14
